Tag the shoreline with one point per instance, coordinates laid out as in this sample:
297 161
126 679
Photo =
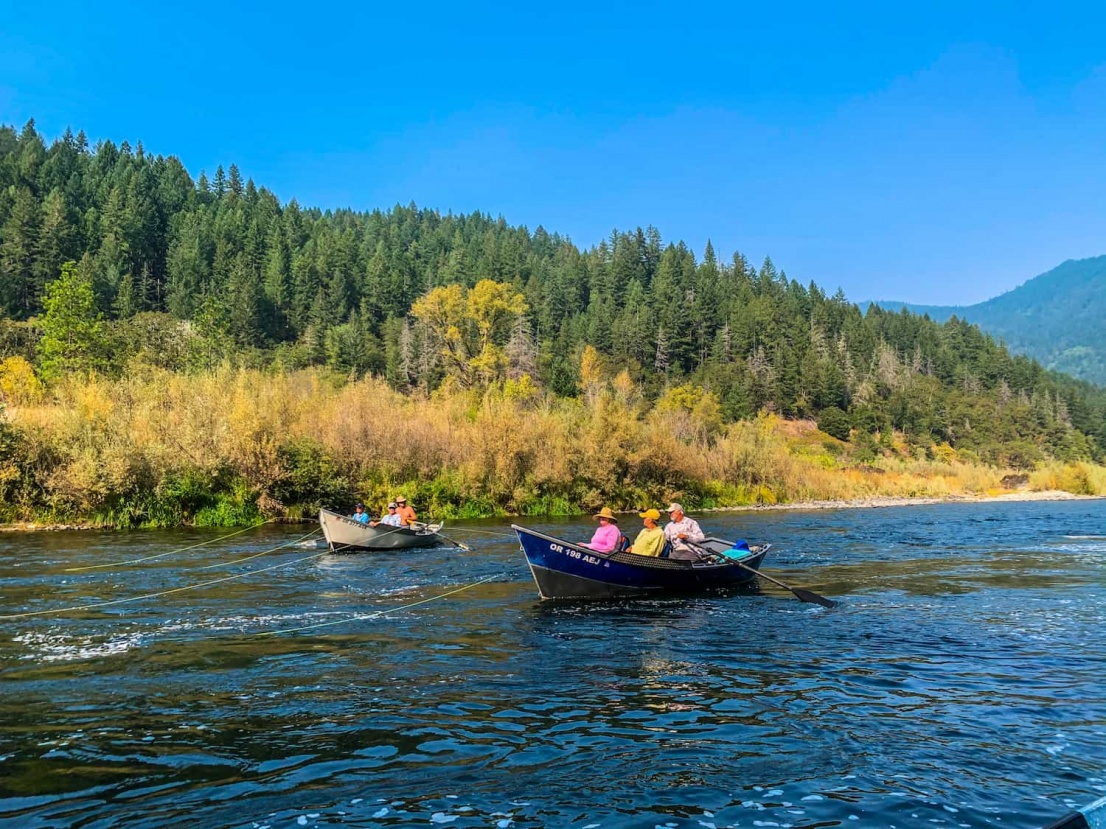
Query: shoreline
875 502
881 501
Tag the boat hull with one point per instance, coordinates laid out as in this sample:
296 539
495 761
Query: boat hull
344 533
565 570
1089 817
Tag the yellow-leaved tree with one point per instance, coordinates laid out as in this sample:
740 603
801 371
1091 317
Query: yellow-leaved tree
472 326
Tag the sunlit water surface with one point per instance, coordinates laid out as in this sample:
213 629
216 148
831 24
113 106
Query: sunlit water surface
961 682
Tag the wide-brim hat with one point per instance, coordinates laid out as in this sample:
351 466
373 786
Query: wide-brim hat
606 513
401 500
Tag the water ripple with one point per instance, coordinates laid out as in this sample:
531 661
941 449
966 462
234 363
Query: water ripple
957 685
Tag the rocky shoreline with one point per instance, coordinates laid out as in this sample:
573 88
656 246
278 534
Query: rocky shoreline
880 501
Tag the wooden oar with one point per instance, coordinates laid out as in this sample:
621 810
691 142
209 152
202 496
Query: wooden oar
419 525
800 593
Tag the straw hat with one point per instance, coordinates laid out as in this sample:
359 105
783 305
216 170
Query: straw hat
606 513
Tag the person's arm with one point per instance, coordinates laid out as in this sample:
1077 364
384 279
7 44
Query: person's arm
694 532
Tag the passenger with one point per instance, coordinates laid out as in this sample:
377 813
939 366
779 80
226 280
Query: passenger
360 515
650 541
681 530
607 537
389 520
406 514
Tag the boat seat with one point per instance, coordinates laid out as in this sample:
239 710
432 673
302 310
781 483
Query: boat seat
666 551
623 543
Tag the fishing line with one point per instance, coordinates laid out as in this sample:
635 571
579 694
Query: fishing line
482 532
162 592
262 553
359 618
160 555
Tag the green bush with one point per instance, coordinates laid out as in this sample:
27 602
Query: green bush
835 423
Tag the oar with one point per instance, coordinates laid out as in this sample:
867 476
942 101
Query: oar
800 593
459 545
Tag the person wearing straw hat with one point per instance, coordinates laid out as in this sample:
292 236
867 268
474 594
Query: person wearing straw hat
407 515
679 531
607 537
650 541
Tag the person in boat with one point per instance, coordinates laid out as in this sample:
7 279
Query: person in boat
359 514
406 514
679 531
391 519
607 537
650 541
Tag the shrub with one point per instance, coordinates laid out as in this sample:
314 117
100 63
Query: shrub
835 423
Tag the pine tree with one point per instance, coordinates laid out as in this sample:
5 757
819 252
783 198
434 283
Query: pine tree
244 297
74 337
57 242
234 182
19 238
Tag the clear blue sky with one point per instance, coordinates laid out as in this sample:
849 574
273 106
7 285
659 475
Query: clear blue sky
930 152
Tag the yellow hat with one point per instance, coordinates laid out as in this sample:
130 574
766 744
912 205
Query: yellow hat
650 513
606 513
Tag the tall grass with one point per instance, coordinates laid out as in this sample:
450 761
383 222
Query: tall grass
229 446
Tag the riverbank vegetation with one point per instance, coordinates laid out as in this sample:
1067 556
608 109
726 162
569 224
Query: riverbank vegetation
196 351
233 445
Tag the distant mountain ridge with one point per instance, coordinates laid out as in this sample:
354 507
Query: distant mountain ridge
1058 318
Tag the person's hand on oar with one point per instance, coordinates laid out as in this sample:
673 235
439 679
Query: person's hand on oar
800 593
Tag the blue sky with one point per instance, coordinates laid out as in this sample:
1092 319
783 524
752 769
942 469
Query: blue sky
942 153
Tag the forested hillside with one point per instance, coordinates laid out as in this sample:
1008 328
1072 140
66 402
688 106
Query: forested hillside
188 274
1055 318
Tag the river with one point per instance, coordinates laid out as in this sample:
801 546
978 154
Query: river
960 683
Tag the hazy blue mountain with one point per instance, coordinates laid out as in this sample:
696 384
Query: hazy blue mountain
1058 317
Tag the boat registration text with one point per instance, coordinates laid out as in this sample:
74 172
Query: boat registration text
584 557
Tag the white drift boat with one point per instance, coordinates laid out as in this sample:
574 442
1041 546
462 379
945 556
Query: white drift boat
344 533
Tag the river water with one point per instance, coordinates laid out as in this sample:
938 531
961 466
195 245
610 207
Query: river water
960 683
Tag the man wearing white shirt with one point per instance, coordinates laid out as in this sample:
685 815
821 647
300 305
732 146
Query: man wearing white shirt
392 519
679 531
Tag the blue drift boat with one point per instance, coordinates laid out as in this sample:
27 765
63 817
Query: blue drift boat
567 570
1089 817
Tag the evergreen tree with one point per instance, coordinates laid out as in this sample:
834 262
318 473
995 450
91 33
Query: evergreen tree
74 336
19 237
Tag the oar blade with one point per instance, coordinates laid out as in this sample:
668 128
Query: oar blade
813 598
